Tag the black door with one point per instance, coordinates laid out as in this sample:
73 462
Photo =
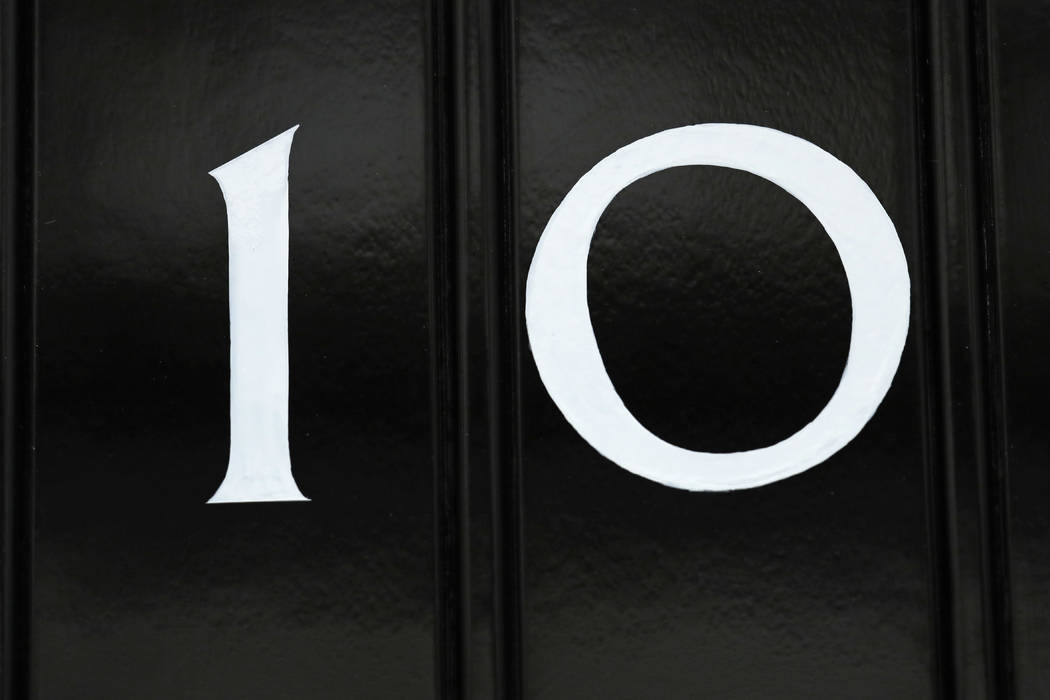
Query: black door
773 430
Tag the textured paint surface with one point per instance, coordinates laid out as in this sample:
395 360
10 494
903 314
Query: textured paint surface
566 351
141 589
255 187
706 282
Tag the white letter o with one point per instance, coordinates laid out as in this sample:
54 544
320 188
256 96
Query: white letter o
566 352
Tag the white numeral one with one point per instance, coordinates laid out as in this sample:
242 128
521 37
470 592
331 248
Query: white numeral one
255 187
566 351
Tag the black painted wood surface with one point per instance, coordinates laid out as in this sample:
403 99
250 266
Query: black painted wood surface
462 540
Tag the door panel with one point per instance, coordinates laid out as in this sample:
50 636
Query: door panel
722 314
141 589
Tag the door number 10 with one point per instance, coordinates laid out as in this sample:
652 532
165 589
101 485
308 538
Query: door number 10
255 187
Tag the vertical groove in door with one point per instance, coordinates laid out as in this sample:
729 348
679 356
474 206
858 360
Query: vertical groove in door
447 189
958 321
17 256
502 333
931 320
988 346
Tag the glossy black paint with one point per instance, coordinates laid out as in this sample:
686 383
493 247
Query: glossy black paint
140 589
472 544
723 316
1022 148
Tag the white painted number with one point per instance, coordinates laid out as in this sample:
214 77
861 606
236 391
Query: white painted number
566 351
255 187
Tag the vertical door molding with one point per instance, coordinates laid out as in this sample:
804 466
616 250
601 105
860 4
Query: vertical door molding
958 321
447 188
17 255
498 124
